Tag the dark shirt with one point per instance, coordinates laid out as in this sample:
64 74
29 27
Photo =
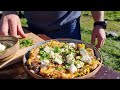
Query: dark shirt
50 20
55 24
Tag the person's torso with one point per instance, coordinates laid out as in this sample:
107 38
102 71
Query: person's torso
50 19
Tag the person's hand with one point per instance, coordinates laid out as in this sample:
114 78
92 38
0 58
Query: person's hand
99 34
11 25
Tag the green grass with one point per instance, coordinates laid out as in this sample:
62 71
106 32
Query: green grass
111 50
112 20
111 53
112 15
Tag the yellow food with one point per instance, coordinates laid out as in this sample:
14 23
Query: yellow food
60 61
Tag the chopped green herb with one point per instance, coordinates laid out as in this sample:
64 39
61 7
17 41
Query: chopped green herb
25 42
67 65
59 68
44 55
57 49
72 50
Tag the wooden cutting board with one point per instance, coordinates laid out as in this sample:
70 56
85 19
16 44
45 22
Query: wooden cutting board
18 56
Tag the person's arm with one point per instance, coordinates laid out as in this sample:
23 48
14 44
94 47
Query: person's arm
98 31
98 15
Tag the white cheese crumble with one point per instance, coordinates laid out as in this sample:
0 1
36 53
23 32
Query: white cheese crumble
38 56
79 64
72 45
58 61
32 71
52 54
2 47
62 50
83 52
57 55
78 57
86 59
45 62
70 58
47 49
72 68
58 58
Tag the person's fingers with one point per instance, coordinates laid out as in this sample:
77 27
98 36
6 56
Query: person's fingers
100 43
93 39
13 27
0 27
20 31
4 27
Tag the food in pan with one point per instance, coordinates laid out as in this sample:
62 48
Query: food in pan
60 60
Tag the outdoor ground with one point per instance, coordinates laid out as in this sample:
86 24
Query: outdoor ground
111 50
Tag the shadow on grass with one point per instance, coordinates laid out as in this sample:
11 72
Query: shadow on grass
115 55
117 38
114 38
